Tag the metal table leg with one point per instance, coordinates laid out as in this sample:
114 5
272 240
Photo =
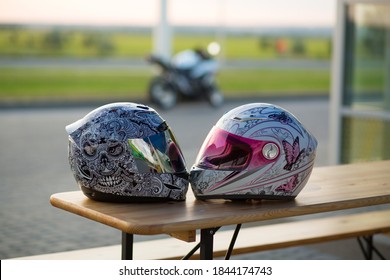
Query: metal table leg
127 246
232 242
369 250
207 243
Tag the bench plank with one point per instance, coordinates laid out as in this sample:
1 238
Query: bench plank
312 231
251 239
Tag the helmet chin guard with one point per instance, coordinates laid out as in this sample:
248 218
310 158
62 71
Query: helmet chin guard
255 151
124 152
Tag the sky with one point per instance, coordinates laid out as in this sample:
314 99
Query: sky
266 13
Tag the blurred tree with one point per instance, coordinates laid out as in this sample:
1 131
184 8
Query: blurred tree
298 47
373 40
103 45
54 40
90 39
266 42
13 37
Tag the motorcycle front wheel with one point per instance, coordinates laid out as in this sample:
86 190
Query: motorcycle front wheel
215 97
162 93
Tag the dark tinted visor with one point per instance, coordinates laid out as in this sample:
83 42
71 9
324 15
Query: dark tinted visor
159 153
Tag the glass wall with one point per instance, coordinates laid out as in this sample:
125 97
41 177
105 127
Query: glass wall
365 102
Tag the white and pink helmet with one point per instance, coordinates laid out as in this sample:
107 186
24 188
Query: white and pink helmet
255 151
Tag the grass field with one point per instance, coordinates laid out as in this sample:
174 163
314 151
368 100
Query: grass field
83 44
63 84
29 85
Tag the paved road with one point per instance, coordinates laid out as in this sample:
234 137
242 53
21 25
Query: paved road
138 64
33 165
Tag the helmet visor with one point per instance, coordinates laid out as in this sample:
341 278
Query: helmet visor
223 150
158 153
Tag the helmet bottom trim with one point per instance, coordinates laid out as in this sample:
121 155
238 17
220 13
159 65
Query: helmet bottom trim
245 197
109 197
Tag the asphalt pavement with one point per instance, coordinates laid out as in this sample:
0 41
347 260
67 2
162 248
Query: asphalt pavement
138 64
33 165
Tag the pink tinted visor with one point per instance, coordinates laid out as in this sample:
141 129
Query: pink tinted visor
226 151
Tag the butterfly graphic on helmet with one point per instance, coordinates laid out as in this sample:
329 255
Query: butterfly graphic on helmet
293 153
289 186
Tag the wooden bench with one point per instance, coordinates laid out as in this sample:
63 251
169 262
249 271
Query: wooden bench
255 239
329 189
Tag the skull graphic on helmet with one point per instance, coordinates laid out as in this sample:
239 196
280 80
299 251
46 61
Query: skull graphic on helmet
126 152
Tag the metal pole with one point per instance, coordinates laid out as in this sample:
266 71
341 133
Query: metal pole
162 32
338 81
386 129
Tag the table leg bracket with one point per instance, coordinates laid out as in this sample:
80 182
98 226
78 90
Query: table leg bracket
206 244
368 248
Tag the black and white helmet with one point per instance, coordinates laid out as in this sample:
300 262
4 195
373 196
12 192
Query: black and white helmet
125 152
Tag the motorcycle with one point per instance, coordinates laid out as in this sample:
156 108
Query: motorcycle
189 74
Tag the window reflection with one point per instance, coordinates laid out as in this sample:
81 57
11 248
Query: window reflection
366 92
367 65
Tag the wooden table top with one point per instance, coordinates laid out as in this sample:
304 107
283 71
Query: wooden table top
329 188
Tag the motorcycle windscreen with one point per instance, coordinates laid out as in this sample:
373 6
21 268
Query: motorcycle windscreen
226 151
159 153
